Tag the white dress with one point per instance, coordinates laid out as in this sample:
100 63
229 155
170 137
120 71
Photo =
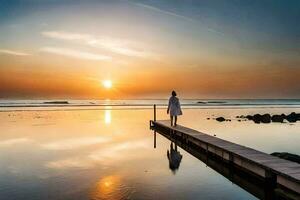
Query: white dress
174 106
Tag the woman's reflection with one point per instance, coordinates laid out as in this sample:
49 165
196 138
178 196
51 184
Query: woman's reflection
174 158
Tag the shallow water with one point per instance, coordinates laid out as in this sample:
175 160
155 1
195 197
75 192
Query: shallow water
109 154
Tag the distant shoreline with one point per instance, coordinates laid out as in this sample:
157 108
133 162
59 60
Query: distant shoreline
132 107
48 104
69 104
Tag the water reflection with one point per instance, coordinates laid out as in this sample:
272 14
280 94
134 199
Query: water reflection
252 184
154 139
107 116
174 158
14 141
107 187
73 143
107 154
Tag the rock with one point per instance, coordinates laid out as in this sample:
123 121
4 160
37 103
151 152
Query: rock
287 156
56 102
208 118
266 118
220 119
256 118
293 117
249 117
216 102
277 118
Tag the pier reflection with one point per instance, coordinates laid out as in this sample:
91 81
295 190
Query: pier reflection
249 182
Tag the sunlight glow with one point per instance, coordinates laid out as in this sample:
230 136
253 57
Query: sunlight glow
108 187
107 84
107 117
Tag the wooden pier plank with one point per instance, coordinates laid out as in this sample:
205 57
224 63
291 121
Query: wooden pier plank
279 166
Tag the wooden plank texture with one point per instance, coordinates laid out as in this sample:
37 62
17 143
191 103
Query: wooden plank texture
285 168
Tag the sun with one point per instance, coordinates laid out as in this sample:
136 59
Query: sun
107 84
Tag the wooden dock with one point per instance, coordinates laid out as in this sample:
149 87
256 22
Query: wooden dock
275 171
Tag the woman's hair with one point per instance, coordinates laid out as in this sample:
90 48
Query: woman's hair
174 93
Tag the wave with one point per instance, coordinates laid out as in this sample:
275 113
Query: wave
10 105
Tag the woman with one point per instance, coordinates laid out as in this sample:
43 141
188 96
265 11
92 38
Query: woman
174 108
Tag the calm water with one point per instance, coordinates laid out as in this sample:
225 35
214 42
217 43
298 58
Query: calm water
109 154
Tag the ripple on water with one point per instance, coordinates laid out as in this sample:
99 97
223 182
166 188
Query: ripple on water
111 187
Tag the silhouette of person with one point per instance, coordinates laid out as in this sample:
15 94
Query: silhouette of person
174 108
174 158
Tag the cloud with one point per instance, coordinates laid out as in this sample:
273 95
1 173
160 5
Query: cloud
75 53
118 46
11 142
74 143
67 35
13 53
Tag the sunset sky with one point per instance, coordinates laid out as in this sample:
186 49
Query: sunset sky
202 49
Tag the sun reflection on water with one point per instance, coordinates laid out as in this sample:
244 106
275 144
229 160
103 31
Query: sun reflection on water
107 188
107 115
